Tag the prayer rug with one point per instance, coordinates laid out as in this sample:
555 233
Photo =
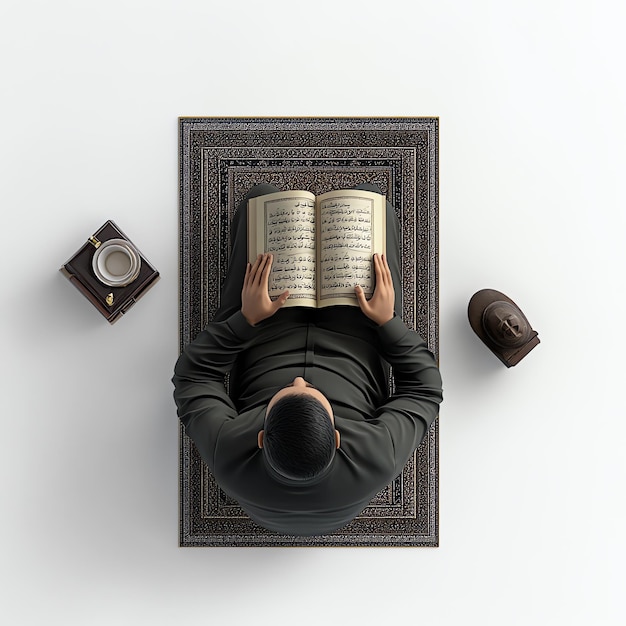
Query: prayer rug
220 159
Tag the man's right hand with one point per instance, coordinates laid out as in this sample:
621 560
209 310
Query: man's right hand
256 304
379 308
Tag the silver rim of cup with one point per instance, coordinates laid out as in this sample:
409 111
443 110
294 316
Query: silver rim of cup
116 263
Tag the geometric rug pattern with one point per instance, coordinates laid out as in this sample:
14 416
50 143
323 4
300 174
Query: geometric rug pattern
220 159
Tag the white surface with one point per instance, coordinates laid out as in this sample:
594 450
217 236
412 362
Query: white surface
531 100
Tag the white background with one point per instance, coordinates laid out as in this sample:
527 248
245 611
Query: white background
531 101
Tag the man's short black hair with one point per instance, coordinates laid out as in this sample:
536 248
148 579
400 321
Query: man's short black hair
299 437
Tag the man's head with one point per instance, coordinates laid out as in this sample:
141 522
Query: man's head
299 439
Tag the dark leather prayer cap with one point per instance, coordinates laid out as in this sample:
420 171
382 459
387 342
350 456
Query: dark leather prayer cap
501 325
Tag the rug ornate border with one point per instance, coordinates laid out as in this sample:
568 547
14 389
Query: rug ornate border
220 159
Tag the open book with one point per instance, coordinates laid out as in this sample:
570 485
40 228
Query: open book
322 246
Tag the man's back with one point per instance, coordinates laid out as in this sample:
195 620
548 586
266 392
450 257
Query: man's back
341 352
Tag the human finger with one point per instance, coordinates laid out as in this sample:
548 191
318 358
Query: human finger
386 270
378 270
254 267
246 278
280 300
265 273
383 272
360 296
258 269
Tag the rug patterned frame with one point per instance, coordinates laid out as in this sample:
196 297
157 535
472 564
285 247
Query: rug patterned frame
219 160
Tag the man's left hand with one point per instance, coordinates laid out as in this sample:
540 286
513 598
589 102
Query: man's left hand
379 308
256 304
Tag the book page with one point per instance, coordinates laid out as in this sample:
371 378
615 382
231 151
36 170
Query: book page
283 223
352 227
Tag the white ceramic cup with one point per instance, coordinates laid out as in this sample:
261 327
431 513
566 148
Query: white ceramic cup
116 263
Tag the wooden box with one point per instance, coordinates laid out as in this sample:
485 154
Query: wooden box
111 301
